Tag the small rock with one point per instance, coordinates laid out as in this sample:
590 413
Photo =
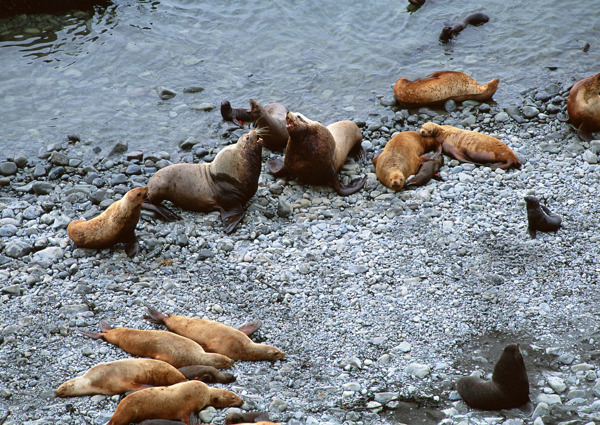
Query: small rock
165 93
59 158
582 367
417 369
549 399
8 168
284 208
530 112
278 405
541 409
557 384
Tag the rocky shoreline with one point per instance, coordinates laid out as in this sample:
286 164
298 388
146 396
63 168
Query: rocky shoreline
381 300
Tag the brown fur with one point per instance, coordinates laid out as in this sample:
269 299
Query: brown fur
116 224
583 106
216 337
207 374
270 122
176 402
470 146
401 158
121 376
442 86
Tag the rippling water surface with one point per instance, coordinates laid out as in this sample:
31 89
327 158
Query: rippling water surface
95 74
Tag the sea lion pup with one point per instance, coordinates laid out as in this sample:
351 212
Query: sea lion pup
176 402
583 106
224 185
470 146
215 337
477 18
508 388
116 224
236 115
260 418
160 345
401 157
315 153
428 169
440 87
540 217
270 123
206 374
121 376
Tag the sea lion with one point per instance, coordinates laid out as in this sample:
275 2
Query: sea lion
206 374
401 157
160 345
477 18
121 376
246 417
224 185
508 388
315 153
236 115
540 217
428 169
215 337
440 87
176 402
270 123
583 106
116 224
470 146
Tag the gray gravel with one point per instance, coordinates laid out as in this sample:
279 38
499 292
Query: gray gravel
381 300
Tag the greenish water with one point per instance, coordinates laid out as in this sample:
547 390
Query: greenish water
95 74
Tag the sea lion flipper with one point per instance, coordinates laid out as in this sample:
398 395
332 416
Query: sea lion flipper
132 247
94 335
353 187
586 136
163 212
532 232
527 408
231 217
105 326
452 152
276 167
154 316
250 327
437 177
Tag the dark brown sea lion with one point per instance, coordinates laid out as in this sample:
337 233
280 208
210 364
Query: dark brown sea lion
206 374
215 337
160 345
315 153
470 146
428 169
246 417
509 387
194 420
270 123
477 18
441 86
236 115
583 106
121 376
401 158
116 224
176 402
540 217
224 185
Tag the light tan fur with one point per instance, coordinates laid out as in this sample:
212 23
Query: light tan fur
583 106
346 135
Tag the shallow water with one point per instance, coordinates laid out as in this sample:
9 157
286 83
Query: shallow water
95 74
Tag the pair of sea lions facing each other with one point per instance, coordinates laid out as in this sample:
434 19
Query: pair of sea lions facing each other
583 106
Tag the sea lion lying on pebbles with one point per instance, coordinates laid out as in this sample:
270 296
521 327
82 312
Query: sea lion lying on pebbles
583 106
206 374
540 217
477 18
269 120
428 169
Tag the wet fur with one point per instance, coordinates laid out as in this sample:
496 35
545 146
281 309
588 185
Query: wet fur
583 106
477 18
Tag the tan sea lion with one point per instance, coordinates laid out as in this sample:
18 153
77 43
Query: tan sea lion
176 402
160 345
583 106
116 224
441 86
215 337
508 388
224 185
470 146
315 153
270 123
401 158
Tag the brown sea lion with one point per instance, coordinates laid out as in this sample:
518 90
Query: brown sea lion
477 18
428 169
206 374
508 388
270 123
540 217
245 417
215 337
116 224
121 376
160 345
315 153
401 158
583 106
470 146
176 402
224 185
236 115
440 87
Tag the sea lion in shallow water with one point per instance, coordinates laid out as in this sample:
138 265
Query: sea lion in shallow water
235 115
470 146
215 337
176 402
477 18
428 169
401 158
224 185
269 120
160 345
440 87
583 106
539 217
509 387
315 153
116 224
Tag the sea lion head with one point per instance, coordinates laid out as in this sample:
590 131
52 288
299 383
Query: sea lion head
274 353
251 140
256 109
136 197
396 180
295 122
429 129
532 201
224 398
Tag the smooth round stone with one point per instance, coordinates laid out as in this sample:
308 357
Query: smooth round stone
450 106
59 158
8 168
8 230
278 405
417 369
530 111
56 173
501 117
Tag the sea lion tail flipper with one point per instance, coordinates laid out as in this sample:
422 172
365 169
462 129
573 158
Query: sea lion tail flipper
250 327
163 212
232 217
94 335
105 326
276 167
359 154
132 247
585 135
154 316
353 187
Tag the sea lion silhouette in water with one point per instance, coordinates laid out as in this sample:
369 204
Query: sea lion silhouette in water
540 217
583 106
440 87
509 387
477 18
428 169
235 115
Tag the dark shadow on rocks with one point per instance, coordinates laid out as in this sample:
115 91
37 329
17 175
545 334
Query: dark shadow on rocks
16 7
